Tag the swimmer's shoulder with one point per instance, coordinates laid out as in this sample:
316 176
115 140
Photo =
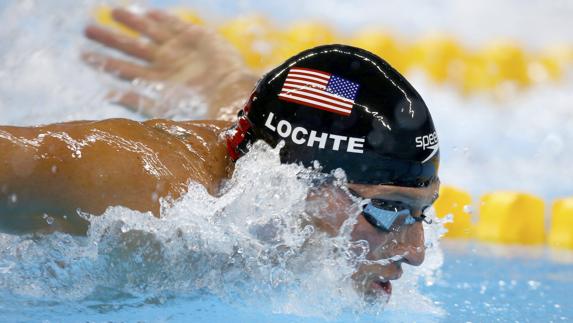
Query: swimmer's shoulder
184 129
214 125
74 127
204 130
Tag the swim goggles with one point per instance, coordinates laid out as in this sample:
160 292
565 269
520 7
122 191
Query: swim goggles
383 214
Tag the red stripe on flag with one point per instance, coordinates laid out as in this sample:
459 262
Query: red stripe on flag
315 106
309 71
316 91
304 78
307 79
314 96
313 100
309 74
300 84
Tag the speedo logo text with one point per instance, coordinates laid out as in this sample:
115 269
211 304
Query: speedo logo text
429 141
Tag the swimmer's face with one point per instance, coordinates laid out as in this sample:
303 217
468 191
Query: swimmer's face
404 243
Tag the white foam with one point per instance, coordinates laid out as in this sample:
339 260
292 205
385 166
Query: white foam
254 242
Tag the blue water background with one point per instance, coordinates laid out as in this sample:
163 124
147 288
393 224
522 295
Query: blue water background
478 283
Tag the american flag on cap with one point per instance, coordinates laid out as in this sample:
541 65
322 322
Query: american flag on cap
320 90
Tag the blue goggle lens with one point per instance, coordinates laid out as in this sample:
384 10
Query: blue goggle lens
383 214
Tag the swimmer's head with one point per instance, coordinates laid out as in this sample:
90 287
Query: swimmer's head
345 108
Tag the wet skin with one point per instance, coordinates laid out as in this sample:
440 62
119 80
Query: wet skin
403 243
405 240
57 169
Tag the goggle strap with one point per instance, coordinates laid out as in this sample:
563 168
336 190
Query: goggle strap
426 219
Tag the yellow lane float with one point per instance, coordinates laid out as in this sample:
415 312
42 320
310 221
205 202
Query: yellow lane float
103 16
255 37
511 218
508 61
304 35
383 45
458 203
561 233
499 68
188 15
437 55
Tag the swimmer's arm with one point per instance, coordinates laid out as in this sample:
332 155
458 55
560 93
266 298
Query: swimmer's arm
189 61
26 192
51 171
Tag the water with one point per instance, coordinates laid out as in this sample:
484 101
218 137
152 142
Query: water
203 263
252 247
473 286
486 283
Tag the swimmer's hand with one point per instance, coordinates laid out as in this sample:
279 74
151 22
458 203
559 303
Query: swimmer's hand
173 62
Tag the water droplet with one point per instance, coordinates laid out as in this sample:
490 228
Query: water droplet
483 289
468 209
533 284
339 173
158 87
49 219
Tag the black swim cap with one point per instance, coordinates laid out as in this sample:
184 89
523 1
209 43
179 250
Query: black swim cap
345 108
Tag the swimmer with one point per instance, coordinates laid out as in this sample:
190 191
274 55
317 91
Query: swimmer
339 105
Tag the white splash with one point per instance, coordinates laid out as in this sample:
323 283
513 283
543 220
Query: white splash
252 245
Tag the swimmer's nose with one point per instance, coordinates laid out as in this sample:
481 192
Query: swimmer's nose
415 256
412 246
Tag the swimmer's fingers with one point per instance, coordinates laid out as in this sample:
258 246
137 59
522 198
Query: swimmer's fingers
167 21
123 69
128 45
134 101
141 24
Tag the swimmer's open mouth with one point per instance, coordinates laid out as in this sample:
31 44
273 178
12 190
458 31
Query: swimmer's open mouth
383 286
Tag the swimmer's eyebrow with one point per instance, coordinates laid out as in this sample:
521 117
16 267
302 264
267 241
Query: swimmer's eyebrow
405 198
